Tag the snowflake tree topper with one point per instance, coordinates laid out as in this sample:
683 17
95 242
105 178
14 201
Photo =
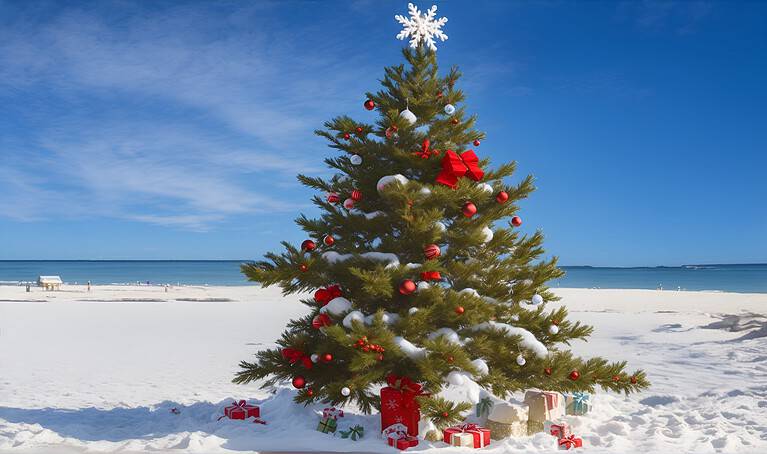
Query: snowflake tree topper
421 26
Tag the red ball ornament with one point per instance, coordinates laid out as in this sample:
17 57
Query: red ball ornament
327 357
333 198
459 310
431 251
349 203
356 195
502 197
308 245
299 382
303 267
450 359
407 287
634 380
469 209
320 321
476 142
574 375
547 371
516 221
347 136
322 296
616 378
310 392
359 129
380 357
328 240
445 414
369 104
454 121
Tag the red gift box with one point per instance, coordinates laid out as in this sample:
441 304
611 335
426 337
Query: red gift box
559 430
570 442
480 434
396 436
398 404
241 410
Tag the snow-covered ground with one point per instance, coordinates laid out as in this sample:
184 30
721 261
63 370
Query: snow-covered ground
100 371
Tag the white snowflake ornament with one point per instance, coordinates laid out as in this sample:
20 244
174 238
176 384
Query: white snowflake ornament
421 26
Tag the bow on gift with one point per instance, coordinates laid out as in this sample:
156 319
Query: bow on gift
409 389
580 398
455 166
431 276
570 442
355 432
425 151
293 355
483 406
332 412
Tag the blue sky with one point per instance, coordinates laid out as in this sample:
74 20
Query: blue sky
171 130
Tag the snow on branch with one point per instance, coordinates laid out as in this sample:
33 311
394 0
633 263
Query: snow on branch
528 339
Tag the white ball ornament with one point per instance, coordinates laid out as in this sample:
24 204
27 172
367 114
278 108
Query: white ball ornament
553 329
487 234
423 285
521 360
315 357
450 109
356 159
537 299
486 187
345 391
412 310
440 226
408 116
388 179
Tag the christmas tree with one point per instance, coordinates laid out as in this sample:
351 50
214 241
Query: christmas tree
416 264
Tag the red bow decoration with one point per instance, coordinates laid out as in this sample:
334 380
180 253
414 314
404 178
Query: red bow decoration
570 442
321 320
408 387
293 355
455 166
425 152
326 295
431 276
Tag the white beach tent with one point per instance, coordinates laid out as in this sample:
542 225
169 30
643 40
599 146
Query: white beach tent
50 282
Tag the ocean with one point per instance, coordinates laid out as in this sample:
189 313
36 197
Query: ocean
751 278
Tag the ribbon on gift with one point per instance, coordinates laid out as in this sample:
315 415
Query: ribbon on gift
332 412
355 432
474 429
552 400
580 399
484 406
431 276
409 389
294 355
425 151
559 430
395 431
455 166
453 435
571 441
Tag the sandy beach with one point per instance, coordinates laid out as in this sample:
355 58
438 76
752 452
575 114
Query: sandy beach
99 371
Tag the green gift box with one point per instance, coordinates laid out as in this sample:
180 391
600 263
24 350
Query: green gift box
354 432
327 425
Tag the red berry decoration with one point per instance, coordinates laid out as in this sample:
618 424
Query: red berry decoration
333 198
547 371
303 267
634 380
574 375
356 195
431 251
459 310
310 392
369 104
444 414
516 221
469 209
327 357
450 359
616 378
328 240
476 142
308 245
454 121
407 287
439 94
347 135
359 129
299 382
502 197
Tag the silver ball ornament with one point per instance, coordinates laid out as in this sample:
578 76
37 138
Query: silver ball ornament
521 360
315 357
450 109
408 116
553 329
356 159
345 391
537 299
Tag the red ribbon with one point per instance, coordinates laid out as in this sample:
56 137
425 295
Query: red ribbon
455 166
325 295
425 152
409 389
293 355
570 442
431 276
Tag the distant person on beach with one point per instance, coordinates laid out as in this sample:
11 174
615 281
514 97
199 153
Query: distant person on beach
166 288
89 286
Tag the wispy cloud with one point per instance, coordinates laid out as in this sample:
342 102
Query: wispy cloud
163 118
683 17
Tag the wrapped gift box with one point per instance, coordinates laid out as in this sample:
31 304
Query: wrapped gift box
354 432
542 406
397 436
469 435
241 410
483 409
557 429
577 403
399 405
327 425
569 442
507 420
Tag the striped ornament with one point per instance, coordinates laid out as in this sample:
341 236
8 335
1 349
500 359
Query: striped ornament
431 251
